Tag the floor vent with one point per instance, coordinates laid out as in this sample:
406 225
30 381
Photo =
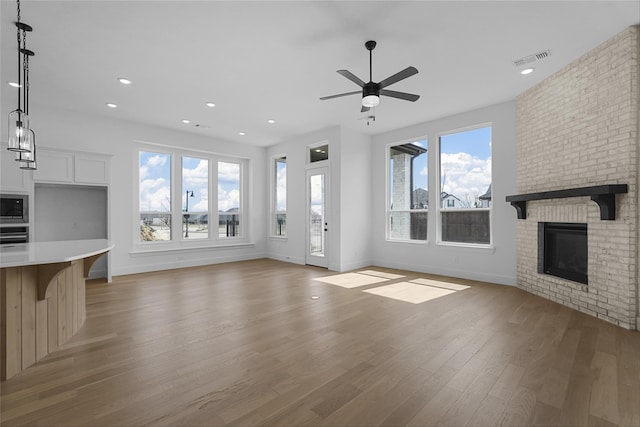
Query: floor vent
532 58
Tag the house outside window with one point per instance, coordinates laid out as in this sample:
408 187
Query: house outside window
279 201
465 186
407 191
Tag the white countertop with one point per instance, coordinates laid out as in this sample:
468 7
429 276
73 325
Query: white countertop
34 253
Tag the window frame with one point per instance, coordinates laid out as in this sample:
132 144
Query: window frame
170 212
241 202
177 241
182 190
388 210
440 209
274 196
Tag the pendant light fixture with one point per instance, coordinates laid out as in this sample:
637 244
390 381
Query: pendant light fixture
21 137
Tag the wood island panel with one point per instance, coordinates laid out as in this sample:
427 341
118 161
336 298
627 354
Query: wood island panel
33 327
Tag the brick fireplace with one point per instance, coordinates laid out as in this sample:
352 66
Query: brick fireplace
576 129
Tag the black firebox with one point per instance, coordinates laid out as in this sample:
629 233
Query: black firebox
563 250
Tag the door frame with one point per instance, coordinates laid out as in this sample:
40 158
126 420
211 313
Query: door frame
318 261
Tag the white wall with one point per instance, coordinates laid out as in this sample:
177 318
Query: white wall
66 212
496 264
355 173
292 248
61 130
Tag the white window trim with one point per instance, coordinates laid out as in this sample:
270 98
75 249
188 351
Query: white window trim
180 244
440 209
387 208
273 192
244 228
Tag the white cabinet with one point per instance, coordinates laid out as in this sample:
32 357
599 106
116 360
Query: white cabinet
54 166
90 169
72 168
12 178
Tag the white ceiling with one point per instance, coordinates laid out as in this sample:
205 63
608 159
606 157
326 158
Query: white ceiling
272 60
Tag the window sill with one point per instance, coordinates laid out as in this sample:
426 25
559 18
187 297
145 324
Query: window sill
278 238
411 242
473 246
172 247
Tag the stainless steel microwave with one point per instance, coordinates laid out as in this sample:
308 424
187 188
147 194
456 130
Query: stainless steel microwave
14 209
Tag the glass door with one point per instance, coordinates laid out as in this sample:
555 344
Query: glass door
317 220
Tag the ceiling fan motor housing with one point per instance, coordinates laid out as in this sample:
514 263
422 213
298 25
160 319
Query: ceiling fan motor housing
371 88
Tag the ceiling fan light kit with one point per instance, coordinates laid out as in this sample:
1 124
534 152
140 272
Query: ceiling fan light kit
370 101
371 90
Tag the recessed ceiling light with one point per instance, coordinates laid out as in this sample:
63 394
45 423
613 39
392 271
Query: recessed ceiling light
241 133
271 121
112 105
210 104
124 81
14 84
526 71
185 121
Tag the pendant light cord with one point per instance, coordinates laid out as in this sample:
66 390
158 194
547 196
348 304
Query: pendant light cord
18 31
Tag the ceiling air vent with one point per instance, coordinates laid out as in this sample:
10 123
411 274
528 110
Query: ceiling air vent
532 58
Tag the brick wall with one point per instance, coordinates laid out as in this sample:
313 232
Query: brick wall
579 128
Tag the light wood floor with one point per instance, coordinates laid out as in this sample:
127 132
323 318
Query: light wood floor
245 344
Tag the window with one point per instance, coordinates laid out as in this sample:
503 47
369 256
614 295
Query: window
408 195
155 196
319 153
229 221
195 198
279 217
465 186
179 194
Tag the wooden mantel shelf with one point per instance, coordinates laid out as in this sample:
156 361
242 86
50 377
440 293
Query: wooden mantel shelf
603 195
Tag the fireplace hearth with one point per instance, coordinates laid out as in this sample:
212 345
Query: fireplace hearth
563 250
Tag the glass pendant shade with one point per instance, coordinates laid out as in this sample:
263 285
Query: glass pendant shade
28 156
19 135
28 160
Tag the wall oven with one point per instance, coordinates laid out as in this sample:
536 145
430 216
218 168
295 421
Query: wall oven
14 235
14 209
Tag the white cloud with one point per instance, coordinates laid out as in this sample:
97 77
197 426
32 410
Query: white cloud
155 195
228 172
281 187
228 199
196 177
157 160
464 175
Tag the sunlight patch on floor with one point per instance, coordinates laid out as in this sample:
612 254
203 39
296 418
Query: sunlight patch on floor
410 292
439 284
351 280
381 274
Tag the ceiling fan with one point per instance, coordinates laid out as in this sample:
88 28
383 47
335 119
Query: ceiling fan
371 91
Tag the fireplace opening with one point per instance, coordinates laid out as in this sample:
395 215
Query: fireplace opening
562 250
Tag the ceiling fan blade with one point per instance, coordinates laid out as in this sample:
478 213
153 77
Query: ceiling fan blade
364 109
407 72
348 74
340 94
400 95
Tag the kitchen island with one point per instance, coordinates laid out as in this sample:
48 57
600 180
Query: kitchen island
42 297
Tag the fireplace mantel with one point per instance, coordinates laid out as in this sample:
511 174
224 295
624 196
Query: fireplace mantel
603 195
